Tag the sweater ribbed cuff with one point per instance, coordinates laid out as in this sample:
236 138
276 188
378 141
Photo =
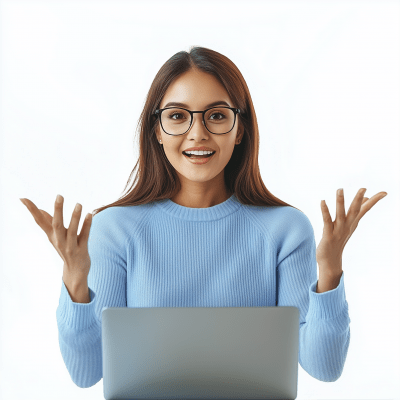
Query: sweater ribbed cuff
329 304
77 316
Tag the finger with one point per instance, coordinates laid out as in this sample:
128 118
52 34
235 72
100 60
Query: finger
47 216
58 221
367 205
38 216
355 206
340 212
84 235
326 216
72 239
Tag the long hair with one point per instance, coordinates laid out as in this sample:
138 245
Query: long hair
156 178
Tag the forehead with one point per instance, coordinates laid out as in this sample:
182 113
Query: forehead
195 89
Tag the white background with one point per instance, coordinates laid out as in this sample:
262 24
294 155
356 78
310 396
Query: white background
324 78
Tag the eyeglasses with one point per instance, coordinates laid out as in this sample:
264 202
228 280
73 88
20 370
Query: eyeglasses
177 121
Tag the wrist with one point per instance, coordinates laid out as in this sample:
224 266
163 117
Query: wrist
327 282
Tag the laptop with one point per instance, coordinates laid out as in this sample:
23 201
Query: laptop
200 352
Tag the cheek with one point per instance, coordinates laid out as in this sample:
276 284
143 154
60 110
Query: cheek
174 156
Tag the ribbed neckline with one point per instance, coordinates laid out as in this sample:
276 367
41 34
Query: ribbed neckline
218 211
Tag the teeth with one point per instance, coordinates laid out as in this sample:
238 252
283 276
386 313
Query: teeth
199 153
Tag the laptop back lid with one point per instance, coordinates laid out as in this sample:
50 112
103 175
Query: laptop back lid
200 352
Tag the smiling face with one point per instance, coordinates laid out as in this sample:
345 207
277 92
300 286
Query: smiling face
197 90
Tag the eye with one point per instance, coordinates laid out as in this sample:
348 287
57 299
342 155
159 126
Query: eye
217 113
171 115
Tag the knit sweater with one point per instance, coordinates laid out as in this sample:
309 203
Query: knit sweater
162 254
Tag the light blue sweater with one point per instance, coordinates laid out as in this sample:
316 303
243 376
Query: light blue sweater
162 254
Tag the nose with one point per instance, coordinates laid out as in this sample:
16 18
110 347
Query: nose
199 119
198 132
194 128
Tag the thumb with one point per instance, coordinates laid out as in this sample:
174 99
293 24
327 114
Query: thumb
47 216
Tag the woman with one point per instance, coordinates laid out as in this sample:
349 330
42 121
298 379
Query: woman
201 229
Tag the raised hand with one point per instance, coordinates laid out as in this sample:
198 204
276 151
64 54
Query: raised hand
71 247
337 233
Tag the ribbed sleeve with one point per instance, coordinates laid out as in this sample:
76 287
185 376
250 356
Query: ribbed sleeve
79 324
324 335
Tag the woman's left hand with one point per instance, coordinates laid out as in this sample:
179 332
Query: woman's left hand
337 233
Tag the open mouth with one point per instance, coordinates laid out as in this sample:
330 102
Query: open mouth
198 156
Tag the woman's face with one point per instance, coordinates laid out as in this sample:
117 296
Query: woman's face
197 90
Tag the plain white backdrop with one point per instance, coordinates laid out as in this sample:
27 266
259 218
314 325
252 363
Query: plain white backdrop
324 79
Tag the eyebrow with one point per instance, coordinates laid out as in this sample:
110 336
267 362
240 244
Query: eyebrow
177 104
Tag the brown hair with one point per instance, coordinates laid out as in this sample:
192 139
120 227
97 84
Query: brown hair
156 178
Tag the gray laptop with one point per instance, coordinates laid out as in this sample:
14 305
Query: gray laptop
200 352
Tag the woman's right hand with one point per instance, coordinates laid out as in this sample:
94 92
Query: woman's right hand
71 247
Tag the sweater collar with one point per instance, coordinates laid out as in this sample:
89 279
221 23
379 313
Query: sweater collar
218 211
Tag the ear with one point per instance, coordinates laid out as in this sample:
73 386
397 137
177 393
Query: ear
240 132
158 134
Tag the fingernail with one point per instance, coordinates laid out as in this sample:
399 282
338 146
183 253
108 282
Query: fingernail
340 191
59 198
22 201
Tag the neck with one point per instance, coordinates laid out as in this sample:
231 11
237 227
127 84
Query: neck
201 199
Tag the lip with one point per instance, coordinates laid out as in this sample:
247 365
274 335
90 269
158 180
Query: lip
199 160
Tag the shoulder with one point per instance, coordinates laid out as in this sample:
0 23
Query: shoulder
281 223
120 214
118 222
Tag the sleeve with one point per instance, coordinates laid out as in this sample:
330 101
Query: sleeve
79 324
324 334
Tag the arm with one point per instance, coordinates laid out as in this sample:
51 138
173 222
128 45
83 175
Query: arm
80 306
324 334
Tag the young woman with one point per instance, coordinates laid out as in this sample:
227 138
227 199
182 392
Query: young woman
199 228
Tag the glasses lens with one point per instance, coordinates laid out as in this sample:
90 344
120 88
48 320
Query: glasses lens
219 120
176 121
